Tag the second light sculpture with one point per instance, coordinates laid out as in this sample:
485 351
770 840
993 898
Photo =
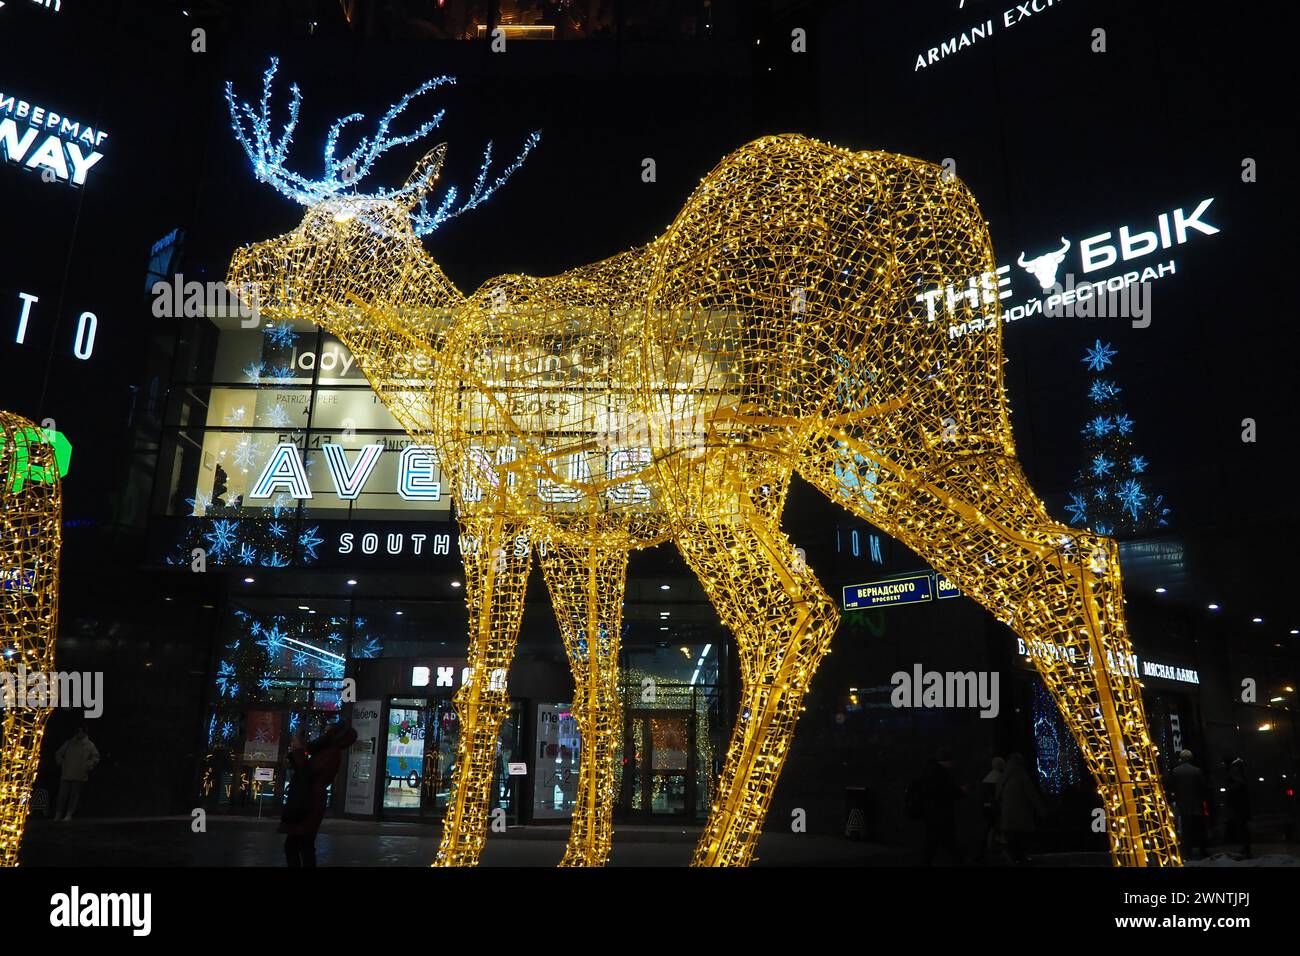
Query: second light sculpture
778 326
31 463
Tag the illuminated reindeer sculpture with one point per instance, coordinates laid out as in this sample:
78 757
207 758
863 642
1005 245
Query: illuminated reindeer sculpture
31 462
668 394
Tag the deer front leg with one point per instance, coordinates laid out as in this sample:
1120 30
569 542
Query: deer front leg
587 586
30 528
495 579
783 622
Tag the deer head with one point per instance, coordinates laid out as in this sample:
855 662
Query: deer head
352 247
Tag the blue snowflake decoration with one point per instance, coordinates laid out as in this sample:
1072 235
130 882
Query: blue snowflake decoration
282 374
255 371
276 529
309 541
1161 512
1123 424
1131 497
212 729
1102 391
275 560
299 659
1138 464
273 640
225 679
281 334
1099 356
1078 508
372 648
227 730
222 537
247 554
1101 465
199 504
1099 427
264 682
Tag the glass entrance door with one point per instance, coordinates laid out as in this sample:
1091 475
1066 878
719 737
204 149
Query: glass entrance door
404 750
660 772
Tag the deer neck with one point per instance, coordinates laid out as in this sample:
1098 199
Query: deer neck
394 324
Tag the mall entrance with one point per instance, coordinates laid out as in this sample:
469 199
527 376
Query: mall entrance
674 733
661 767
419 754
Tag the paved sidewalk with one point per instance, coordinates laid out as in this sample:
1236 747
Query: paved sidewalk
245 841
241 841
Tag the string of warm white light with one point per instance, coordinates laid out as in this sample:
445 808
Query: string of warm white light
669 393
30 534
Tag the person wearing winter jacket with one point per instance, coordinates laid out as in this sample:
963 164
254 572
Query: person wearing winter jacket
315 765
1021 807
76 758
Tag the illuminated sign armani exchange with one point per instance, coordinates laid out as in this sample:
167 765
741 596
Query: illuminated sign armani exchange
61 148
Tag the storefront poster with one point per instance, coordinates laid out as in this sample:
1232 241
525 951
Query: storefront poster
555 781
361 757
262 736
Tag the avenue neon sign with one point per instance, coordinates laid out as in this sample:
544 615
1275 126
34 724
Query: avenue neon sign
419 477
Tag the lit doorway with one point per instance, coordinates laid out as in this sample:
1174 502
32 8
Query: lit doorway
660 771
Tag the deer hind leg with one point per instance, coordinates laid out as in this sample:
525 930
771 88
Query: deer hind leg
587 586
495 579
23 730
783 621
979 523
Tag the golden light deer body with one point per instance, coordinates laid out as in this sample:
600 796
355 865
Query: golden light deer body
669 394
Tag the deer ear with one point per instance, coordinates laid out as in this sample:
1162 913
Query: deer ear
425 174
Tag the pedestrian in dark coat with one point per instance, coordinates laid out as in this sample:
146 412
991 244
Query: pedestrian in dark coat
939 793
1191 792
990 812
315 766
1021 807
1237 802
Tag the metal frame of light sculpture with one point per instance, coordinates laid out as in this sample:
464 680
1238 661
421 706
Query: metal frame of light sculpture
30 534
669 393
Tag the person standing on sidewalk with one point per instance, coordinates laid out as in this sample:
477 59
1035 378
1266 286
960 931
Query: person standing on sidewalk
1191 797
317 764
76 758
1021 806
1237 802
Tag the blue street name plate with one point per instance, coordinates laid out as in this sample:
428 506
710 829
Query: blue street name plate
913 589
945 588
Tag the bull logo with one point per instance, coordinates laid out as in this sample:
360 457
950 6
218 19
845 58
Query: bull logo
1044 267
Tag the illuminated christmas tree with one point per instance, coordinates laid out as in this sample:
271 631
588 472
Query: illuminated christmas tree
1110 494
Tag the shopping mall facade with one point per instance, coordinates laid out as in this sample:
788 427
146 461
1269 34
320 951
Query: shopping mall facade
346 597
